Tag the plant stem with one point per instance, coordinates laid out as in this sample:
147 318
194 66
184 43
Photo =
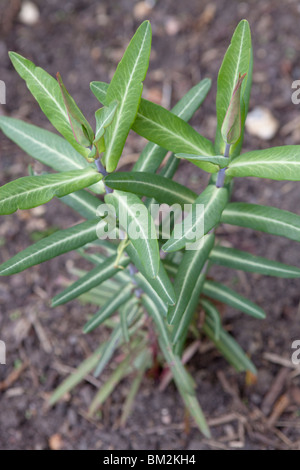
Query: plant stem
221 174
103 172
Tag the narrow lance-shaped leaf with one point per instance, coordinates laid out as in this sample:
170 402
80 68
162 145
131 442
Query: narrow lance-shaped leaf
77 376
83 202
218 291
229 348
201 161
152 156
104 117
152 293
126 87
135 219
47 92
231 127
159 187
180 330
189 270
54 245
46 147
32 191
181 377
92 279
118 374
81 128
109 308
160 126
212 312
263 218
237 60
115 340
204 214
238 259
161 283
277 163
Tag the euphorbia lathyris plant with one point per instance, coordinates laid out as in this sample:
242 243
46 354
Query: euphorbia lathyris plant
146 282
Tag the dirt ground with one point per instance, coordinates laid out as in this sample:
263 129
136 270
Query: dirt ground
83 40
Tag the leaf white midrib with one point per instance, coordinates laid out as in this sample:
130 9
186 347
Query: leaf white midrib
190 102
258 163
119 114
237 213
158 278
255 263
187 281
45 187
46 248
176 136
127 208
238 61
83 284
153 149
154 185
206 209
44 88
46 147
236 300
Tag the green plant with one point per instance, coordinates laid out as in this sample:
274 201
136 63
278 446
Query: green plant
157 297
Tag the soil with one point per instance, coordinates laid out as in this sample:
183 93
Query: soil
83 40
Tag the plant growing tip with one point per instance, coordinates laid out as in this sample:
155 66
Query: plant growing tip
81 129
231 127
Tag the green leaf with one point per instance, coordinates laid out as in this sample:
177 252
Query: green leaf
229 348
237 60
126 88
182 378
160 126
54 245
201 161
77 376
231 127
161 284
237 259
82 202
218 291
212 312
110 307
189 270
104 117
115 341
111 383
93 278
152 156
32 191
276 163
145 361
263 218
159 187
46 147
200 220
152 293
47 92
164 128
140 228
180 330
81 128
